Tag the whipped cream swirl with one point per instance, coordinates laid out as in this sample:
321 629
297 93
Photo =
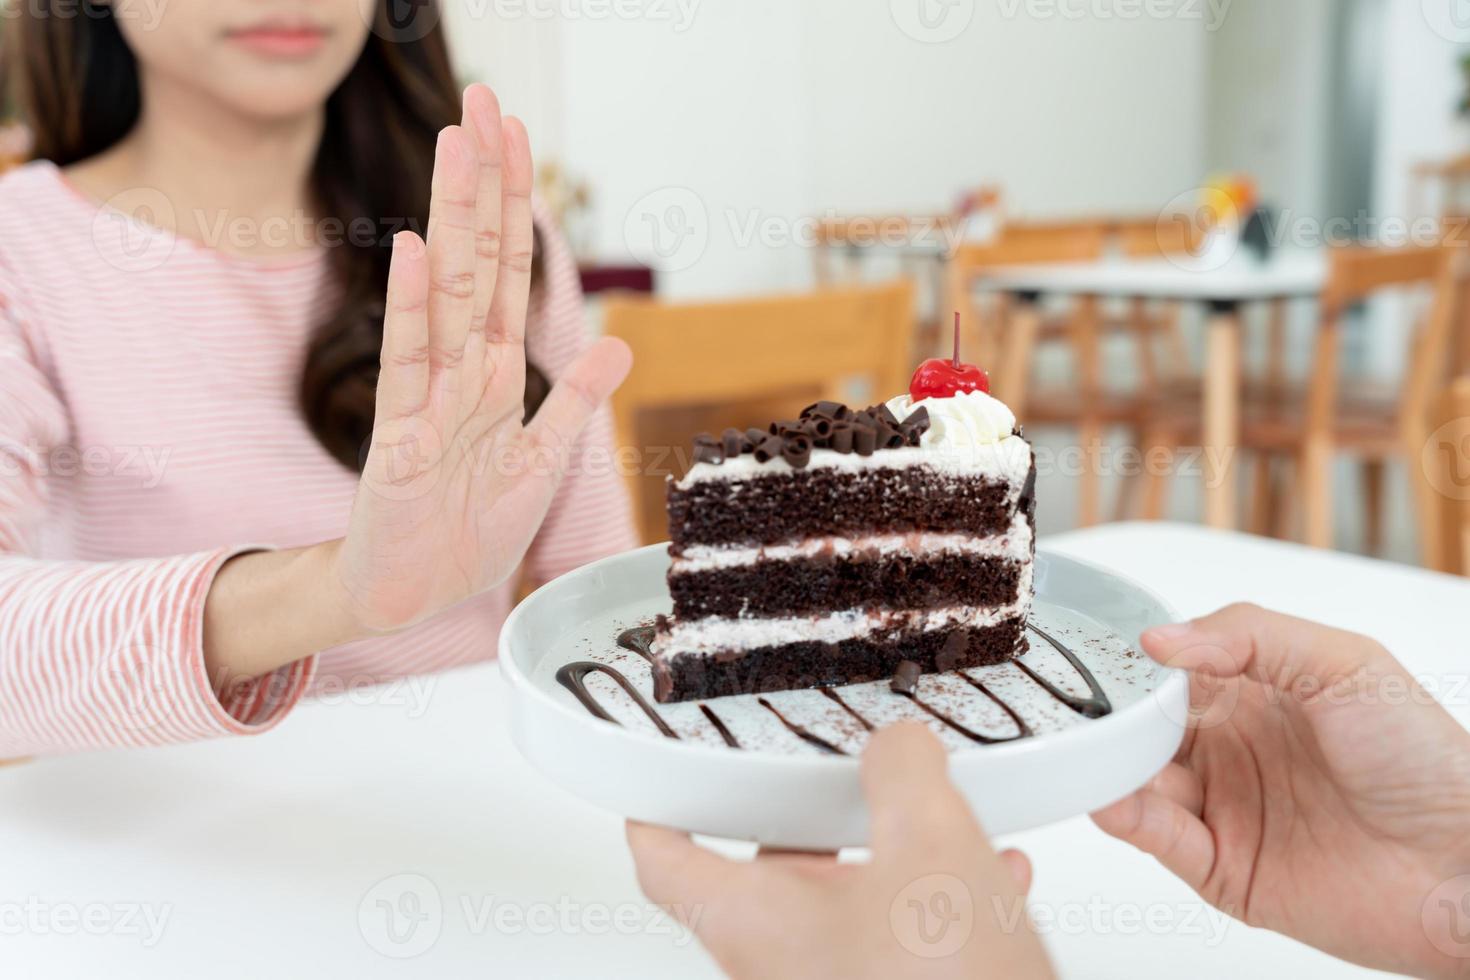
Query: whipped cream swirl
960 422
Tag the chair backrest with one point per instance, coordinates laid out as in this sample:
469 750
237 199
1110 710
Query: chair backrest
1358 273
1156 236
1019 243
783 350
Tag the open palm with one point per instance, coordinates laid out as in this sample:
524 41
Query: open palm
455 485
1321 794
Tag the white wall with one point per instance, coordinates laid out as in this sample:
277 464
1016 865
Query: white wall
770 111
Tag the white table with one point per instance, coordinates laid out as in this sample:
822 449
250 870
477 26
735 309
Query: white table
262 852
1222 286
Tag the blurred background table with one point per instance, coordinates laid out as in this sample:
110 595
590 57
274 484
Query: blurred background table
285 855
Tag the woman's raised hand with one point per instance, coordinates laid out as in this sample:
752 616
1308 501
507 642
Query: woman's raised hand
455 486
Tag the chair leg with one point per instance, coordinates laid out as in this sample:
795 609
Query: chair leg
1435 549
1156 477
1263 494
1316 486
1130 487
1372 471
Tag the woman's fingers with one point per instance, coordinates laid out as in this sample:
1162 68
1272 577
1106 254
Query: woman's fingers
1019 865
452 216
403 381
482 121
915 810
1162 827
507 318
588 383
675 872
1271 648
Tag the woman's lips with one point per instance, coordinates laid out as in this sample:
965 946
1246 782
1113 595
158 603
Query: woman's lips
280 40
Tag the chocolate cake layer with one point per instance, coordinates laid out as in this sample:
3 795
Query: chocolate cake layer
821 584
853 661
829 501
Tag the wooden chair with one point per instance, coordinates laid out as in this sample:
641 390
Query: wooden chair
1446 461
1302 427
708 366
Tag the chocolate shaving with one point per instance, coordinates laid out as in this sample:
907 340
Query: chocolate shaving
707 449
768 450
822 425
797 451
905 678
732 442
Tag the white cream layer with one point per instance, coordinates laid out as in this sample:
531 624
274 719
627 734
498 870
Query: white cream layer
718 634
1006 461
1014 544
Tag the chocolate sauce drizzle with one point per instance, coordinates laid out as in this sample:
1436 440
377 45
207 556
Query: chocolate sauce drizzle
639 640
1095 706
800 732
573 677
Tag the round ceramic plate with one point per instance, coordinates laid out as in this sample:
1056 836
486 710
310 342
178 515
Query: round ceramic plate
1080 720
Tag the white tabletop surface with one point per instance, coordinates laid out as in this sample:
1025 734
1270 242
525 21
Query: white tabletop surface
269 857
1242 278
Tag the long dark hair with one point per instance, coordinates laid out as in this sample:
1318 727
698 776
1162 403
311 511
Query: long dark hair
75 83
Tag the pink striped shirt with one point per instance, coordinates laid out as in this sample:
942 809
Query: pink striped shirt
149 431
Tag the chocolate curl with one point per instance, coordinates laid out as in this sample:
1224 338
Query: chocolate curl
708 450
841 439
905 678
753 438
883 414
769 449
836 411
889 437
864 440
918 418
818 428
785 427
914 434
731 441
797 451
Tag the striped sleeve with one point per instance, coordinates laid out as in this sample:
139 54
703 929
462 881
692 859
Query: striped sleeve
591 516
98 654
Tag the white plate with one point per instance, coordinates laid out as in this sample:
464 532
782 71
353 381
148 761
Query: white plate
782 791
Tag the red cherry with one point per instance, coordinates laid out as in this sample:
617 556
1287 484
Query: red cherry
941 378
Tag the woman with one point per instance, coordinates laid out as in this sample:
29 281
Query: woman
187 547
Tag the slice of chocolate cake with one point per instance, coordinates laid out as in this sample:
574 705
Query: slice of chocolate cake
829 549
